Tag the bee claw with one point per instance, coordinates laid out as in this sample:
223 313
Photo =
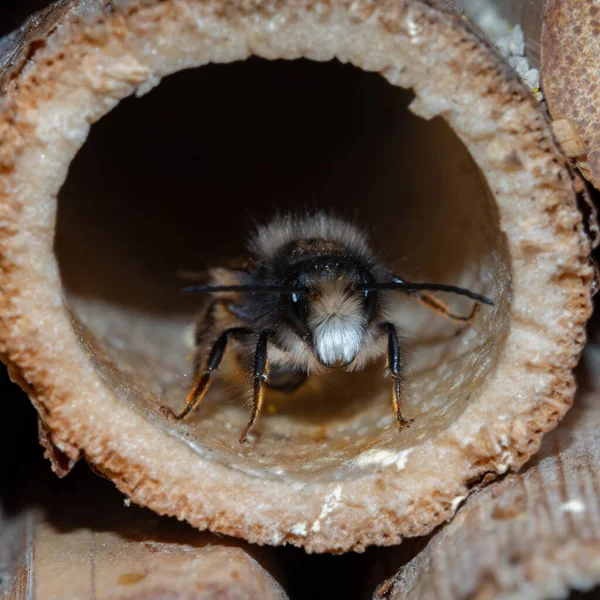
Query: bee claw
405 424
244 437
168 413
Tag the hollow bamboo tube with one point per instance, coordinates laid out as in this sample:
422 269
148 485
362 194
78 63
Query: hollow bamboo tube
475 192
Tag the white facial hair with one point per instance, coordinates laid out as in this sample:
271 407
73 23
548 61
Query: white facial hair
337 321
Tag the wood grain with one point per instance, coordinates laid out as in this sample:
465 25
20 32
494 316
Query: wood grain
534 535
79 539
16 552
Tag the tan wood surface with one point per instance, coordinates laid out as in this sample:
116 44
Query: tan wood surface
531 535
535 534
79 540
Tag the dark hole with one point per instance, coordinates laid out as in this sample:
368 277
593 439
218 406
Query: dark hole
177 178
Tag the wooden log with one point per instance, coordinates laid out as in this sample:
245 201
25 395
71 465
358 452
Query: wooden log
562 40
82 541
535 534
100 350
15 556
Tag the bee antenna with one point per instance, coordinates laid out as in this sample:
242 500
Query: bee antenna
242 289
409 286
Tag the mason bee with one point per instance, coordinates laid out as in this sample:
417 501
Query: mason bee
311 296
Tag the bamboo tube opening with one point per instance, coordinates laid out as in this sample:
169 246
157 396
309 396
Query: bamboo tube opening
176 180
92 235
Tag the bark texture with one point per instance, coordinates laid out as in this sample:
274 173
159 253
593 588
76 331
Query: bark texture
532 535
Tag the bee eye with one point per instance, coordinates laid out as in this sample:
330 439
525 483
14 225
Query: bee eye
295 311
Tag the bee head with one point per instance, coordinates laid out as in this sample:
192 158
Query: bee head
332 316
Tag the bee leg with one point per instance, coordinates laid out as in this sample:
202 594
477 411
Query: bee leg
260 373
395 367
436 305
202 380
206 323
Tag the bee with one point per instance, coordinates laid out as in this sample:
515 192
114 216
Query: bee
310 297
